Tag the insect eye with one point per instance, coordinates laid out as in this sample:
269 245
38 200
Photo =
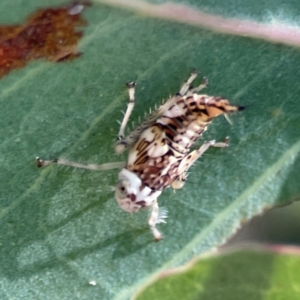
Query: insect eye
121 191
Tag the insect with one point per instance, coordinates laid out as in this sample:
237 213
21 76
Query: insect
159 148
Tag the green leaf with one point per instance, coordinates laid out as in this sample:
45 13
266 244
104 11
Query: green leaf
244 274
62 231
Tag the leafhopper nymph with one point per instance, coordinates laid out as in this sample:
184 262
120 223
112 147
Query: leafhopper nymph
159 153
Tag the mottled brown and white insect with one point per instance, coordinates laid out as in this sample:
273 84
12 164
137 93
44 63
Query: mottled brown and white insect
159 148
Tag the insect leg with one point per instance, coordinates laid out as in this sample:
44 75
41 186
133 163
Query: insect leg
200 87
131 90
185 87
157 216
64 162
204 148
192 157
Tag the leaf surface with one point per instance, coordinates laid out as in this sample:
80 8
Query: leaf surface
61 228
243 274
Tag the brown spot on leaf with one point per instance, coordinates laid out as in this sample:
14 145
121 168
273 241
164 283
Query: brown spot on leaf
50 33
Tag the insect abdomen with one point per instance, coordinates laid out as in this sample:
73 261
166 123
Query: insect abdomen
188 118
